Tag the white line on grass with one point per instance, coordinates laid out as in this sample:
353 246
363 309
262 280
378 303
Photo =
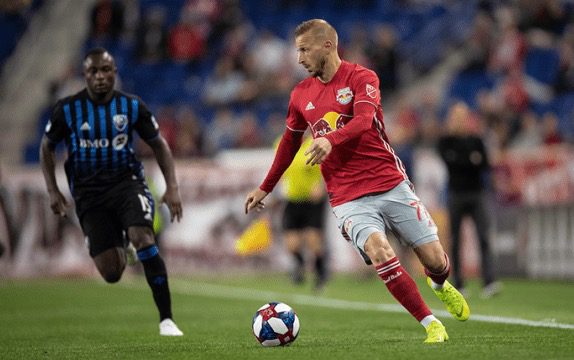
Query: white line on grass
231 292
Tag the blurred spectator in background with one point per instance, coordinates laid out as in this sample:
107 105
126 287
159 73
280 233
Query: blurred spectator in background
131 19
528 135
510 45
403 132
275 126
223 131
550 133
466 160
190 141
226 18
228 85
182 130
382 53
188 38
169 125
565 77
249 135
479 44
235 42
168 128
268 52
355 49
546 15
269 65
151 36
107 20
513 89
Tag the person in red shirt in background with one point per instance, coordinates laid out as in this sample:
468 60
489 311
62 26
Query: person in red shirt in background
187 40
367 185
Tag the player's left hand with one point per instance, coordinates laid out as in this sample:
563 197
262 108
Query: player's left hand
318 151
254 200
173 201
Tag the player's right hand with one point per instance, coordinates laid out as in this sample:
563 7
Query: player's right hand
58 203
254 200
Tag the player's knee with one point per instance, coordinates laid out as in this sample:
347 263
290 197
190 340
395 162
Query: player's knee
432 256
141 236
292 241
378 249
112 276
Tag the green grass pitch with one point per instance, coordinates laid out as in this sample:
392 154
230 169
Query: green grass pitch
87 319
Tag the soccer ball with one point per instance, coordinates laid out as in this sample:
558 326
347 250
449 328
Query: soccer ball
275 324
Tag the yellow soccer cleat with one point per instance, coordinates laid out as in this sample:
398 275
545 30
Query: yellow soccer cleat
436 333
453 299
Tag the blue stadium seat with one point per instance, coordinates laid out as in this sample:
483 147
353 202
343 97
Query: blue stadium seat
542 64
466 86
563 106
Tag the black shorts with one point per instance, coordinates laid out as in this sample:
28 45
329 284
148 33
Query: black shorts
304 214
106 218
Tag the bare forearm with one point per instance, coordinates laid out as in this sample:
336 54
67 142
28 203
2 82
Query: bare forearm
288 147
48 164
165 161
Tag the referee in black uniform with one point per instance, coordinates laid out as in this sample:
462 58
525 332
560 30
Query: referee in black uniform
112 200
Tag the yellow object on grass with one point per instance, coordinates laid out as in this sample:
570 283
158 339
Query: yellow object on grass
255 239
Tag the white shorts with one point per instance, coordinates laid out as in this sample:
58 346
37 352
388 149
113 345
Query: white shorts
398 210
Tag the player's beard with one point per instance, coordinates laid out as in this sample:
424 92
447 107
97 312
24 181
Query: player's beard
321 68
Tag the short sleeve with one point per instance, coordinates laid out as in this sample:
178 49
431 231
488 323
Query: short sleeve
56 128
295 122
365 86
146 124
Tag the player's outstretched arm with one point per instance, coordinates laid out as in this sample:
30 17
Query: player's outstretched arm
254 200
165 161
288 147
58 202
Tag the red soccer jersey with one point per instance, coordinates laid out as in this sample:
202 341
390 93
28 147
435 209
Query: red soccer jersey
359 164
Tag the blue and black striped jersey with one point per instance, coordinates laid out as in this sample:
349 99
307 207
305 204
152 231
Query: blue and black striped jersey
99 138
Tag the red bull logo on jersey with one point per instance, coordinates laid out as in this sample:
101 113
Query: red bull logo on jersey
344 96
329 122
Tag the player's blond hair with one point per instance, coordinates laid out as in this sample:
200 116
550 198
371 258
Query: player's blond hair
319 28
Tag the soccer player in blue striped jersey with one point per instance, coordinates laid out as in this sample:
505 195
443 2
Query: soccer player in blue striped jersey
112 199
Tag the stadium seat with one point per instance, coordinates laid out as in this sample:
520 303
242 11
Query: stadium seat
542 64
563 106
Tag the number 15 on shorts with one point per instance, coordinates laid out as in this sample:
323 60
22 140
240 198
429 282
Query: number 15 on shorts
146 206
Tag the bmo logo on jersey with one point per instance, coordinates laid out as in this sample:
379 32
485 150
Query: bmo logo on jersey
118 143
94 143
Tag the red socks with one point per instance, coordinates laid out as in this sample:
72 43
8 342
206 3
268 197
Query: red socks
440 278
403 288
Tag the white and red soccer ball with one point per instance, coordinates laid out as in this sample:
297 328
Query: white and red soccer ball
275 324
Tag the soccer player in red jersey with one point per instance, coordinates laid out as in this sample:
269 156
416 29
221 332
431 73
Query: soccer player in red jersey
367 185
